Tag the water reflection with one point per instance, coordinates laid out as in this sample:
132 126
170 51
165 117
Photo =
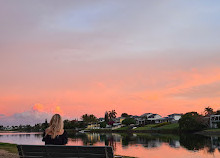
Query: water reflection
188 141
125 143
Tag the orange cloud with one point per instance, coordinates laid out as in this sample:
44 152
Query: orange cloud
38 107
58 110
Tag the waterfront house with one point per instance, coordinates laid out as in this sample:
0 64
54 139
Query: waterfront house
152 118
214 119
101 119
173 118
147 118
164 119
93 126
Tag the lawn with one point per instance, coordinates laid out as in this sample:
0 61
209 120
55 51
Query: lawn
172 126
123 128
213 130
12 148
147 127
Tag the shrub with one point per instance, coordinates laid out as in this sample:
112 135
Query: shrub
103 124
192 121
128 121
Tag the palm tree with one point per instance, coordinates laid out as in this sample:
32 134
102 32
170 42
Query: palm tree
112 114
89 118
208 111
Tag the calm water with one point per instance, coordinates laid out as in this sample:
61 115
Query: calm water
139 145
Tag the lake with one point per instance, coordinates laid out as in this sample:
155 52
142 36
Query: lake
138 145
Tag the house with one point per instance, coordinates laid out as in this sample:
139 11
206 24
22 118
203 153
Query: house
214 119
101 119
147 118
146 115
93 126
119 119
140 121
152 118
164 119
173 118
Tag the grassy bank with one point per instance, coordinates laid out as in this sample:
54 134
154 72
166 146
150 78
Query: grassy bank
210 132
12 148
163 128
151 128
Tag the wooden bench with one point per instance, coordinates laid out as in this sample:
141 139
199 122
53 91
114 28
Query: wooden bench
62 151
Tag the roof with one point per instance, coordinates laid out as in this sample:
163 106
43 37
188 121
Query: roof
152 116
175 114
146 114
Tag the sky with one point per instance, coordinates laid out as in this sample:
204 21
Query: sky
76 57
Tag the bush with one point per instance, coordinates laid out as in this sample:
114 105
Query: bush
103 124
192 121
128 121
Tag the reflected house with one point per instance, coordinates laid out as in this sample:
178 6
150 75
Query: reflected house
93 137
215 142
148 143
214 120
174 143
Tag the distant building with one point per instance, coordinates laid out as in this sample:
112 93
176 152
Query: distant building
93 126
119 119
152 118
214 119
147 118
173 118
101 119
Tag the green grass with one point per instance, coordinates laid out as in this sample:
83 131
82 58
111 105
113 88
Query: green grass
173 126
12 148
123 128
213 130
147 127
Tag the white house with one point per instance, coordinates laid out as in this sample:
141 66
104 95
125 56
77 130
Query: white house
147 118
164 119
214 119
146 115
175 116
152 118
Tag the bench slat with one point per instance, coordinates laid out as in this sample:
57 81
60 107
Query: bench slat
61 151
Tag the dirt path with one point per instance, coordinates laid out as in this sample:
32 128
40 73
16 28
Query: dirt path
5 154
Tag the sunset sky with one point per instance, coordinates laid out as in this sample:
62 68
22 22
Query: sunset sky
90 56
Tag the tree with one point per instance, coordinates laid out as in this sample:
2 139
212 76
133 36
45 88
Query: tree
89 118
106 117
45 125
103 124
217 112
112 115
124 115
192 121
209 111
128 121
